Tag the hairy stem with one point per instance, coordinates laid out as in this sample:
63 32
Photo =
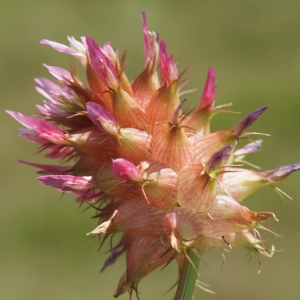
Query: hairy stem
187 280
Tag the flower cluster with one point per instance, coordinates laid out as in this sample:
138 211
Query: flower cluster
152 169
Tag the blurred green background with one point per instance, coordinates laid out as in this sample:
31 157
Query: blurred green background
255 48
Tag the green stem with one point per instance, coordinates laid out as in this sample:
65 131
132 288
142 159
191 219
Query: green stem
187 280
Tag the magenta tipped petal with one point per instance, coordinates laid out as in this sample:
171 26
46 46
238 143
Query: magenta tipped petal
242 125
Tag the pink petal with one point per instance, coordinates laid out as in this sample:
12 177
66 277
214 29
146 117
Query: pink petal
67 182
45 130
168 68
126 170
208 95
151 47
20 118
46 88
102 64
77 49
59 73
110 52
61 48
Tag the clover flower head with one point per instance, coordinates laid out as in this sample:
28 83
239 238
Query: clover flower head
154 173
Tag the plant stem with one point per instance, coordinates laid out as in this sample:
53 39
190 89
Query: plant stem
187 280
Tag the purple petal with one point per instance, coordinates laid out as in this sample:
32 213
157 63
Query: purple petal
217 159
249 148
242 125
115 253
177 112
282 172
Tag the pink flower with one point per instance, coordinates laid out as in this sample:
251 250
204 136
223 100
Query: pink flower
126 170
155 173
102 64
208 95
168 68
76 49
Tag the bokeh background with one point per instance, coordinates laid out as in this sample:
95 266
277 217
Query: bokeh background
255 48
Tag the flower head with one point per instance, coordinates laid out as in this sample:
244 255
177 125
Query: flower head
154 174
